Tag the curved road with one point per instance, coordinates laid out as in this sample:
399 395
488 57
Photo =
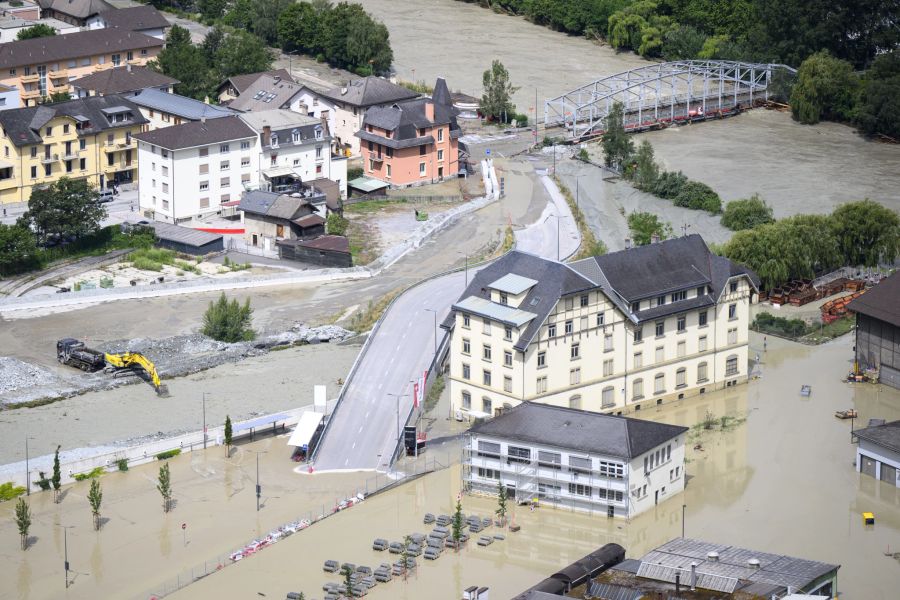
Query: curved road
364 429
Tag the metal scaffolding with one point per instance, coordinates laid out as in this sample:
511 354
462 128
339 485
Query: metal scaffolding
663 93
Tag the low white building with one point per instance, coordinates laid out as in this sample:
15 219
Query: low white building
191 170
11 26
141 18
878 452
615 466
293 149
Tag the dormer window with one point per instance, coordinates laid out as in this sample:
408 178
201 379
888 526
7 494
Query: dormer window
504 298
274 140
318 133
295 136
679 296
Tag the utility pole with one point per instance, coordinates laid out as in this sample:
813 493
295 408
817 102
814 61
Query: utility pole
258 488
398 396
683 507
65 529
27 470
204 420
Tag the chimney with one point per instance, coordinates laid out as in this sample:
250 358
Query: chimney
203 119
693 577
429 110
654 239
677 583
266 135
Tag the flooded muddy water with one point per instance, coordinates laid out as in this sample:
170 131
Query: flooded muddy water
781 481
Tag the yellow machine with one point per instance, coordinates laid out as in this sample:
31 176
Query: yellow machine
131 360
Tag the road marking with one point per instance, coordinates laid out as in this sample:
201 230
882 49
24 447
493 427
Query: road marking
360 431
367 415
398 346
353 446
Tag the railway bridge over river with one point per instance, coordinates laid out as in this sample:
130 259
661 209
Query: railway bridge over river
661 94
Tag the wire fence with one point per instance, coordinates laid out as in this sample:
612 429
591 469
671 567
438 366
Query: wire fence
378 483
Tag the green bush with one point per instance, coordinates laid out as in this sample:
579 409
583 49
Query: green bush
151 259
168 454
768 323
122 464
747 213
228 321
42 482
643 225
354 173
335 224
668 184
8 491
90 474
698 196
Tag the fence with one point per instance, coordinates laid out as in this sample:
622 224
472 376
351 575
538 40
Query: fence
373 485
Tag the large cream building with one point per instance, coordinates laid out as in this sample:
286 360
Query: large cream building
611 333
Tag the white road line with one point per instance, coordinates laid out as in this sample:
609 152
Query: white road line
354 444
360 431
367 415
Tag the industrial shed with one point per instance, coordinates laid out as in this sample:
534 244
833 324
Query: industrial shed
327 251
878 330
187 240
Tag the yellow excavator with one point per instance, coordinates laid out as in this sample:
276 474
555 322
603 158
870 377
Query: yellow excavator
74 353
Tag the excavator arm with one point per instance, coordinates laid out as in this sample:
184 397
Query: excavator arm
128 360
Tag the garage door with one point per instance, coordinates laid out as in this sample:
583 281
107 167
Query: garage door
888 474
868 465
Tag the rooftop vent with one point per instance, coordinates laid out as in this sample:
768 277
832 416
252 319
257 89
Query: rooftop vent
753 563
712 556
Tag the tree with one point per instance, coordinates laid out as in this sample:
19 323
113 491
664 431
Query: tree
617 146
228 435
747 213
36 31
698 196
298 28
65 208
212 10
644 226
457 524
57 476
826 88
164 485
867 233
95 498
18 250
646 171
56 97
501 503
228 322
878 109
185 62
348 581
241 52
682 43
336 224
23 521
404 555
495 102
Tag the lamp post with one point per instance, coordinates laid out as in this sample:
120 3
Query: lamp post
434 314
65 529
398 396
683 508
467 266
557 217
258 487
204 420
291 62
27 470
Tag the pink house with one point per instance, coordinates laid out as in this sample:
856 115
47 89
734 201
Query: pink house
412 143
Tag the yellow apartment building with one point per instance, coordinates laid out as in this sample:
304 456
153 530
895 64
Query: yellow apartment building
89 138
43 66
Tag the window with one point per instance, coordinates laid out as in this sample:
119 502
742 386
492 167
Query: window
637 389
164 152
681 378
507 333
467 404
542 385
486 352
701 372
607 397
504 298
584 324
732 312
165 203
224 165
660 328
245 145
732 287
204 185
111 159
440 155
701 318
731 366
295 136
661 300
660 354
608 367
273 141
583 300
507 384
153 183
577 489
204 202
486 378
12 71
701 343
245 161
612 470
682 323
66 127
638 334
575 402
466 371
116 59
48 169
82 163
579 464
679 296
49 131
507 358
466 346
486 405
422 169
68 166
542 360
34 151
732 336
575 376
466 321
440 133
601 319
608 342
569 327
575 352
517 454
488 473
488 449
165 188
681 349
551 330
318 152
203 169
130 55
34 172
245 178
224 198
659 384
225 182
635 306
611 495
486 327
638 360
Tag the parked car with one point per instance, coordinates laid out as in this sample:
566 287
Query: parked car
106 196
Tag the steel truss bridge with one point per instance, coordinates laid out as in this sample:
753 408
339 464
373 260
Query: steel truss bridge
664 93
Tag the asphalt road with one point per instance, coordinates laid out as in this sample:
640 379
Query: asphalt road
364 430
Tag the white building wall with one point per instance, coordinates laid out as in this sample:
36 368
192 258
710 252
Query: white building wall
310 159
880 455
10 99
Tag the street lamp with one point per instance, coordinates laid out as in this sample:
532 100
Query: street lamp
467 266
398 396
204 420
578 190
27 470
258 487
65 529
557 217
434 314
291 62
683 507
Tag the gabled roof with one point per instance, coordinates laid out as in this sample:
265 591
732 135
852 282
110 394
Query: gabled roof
271 204
135 18
580 430
882 302
267 92
886 436
283 121
242 82
23 126
369 91
197 133
180 106
57 48
404 120
122 80
80 9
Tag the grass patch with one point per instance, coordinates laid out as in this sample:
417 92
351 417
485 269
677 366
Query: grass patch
590 245
434 394
364 320
235 266
369 206
711 423
186 266
828 332
168 454
8 491
361 240
798 331
90 474
153 259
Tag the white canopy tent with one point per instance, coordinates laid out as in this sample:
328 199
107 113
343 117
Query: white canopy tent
306 427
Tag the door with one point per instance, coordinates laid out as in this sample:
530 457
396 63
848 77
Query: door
656 497
868 465
440 171
888 474
610 511
255 240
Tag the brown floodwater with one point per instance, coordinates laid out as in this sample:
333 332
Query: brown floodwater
781 481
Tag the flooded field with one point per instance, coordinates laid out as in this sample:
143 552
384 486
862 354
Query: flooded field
781 481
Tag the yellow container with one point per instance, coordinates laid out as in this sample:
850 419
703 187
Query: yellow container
868 518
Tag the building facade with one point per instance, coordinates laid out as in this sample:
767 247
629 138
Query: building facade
44 66
878 330
615 466
878 452
412 143
11 26
191 170
270 217
9 97
88 138
611 333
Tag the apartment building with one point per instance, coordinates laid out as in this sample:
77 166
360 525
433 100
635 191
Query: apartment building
412 143
11 26
579 460
141 18
20 9
234 86
613 333
162 109
344 107
76 12
43 66
88 138
191 170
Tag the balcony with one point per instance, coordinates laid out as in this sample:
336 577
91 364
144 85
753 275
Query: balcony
33 78
49 158
118 145
70 155
29 94
60 74
60 85
121 165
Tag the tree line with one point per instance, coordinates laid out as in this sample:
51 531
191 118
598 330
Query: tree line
344 35
860 36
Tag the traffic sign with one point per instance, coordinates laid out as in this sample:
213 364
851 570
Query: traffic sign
487 151
184 525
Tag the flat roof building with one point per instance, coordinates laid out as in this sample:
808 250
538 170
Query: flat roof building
878 452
